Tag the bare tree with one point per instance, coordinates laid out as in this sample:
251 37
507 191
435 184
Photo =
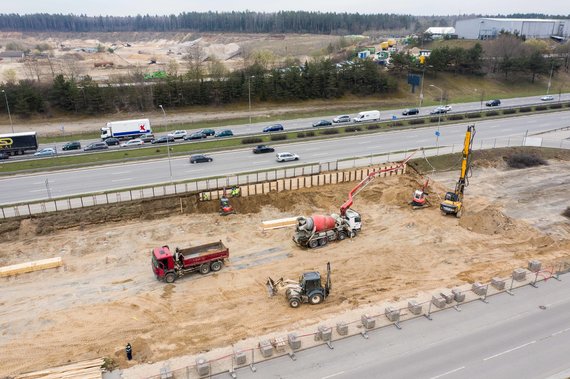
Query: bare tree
195 56
9 76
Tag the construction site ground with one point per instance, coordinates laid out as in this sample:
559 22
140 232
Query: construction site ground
107 295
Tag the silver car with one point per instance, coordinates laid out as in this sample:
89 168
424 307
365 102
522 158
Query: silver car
284 157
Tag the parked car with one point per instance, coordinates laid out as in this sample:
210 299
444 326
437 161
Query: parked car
410 111
177 134
199 158
46 152
260 149
547 98
224 133
195 135
75 145
133 142
321 123
4 155
342 118
114 141
284 157
208 132
146 138
493 103
96 146
273 128
163 139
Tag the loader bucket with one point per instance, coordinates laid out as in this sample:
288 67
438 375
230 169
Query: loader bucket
271 286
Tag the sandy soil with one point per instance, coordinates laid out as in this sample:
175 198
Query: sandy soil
107 294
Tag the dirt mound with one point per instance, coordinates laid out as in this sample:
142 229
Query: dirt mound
489 221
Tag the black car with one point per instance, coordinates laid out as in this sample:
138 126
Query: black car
208 132
199 158
112 141
75 145
322 123
260 149
147 138
273 128
493 103
196 135
96 146
410 111
438 111
163 139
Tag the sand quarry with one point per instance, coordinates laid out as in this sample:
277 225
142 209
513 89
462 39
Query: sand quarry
107 295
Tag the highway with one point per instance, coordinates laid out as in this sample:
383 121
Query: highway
28 187
511 337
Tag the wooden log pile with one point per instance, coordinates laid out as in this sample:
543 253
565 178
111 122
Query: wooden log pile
90 369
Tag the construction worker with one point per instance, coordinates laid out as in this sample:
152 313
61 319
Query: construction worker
235 191
129 351
205 196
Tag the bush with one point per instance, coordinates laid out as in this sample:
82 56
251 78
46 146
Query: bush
455 117
300 135
523 160
567 105
540 108
555 106
329 131
417 121
310 133
566 213
491 113
353 128
372 126
525 109
509 111
248 140
396 123
435 119
278 137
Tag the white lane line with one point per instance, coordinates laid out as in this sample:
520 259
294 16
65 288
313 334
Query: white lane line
560 332
121 173
44 182
448 372
508 351
38 190
122 180
257 163
333 375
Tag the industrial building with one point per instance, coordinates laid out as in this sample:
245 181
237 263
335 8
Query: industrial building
489 28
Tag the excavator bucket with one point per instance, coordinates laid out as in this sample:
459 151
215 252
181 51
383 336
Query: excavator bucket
272 286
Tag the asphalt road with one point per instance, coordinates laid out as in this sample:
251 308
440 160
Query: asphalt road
124 175
511 337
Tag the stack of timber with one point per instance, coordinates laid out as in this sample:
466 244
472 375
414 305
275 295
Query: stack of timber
22 268
90 369
279 223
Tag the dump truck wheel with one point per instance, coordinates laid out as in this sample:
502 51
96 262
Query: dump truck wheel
170 277
204 269
341 236
313 244
323 241
294 302
316 299
216 266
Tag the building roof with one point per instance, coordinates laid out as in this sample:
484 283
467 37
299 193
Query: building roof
440 30
517 19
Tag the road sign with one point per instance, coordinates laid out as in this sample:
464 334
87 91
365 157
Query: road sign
437 133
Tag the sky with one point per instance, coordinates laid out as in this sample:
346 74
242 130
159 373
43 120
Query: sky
161 7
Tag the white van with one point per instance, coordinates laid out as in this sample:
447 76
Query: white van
367 116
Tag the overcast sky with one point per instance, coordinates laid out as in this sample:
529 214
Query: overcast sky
415 7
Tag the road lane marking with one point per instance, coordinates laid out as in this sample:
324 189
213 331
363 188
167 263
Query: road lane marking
38 190
122 180
121 173
448 372
333 375
560 332
508 351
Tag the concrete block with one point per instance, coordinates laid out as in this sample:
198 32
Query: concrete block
414 307
438 301
294 341
202 366
324 333
447 296
498 283
458 295
240 358
265 348
392 314
367 321
342 328
479 289
534 266
519 274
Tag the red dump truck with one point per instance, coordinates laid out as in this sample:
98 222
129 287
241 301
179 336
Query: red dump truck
169 266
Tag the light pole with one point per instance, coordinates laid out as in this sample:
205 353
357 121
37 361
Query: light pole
167 142
547 90
439 115
249 96
8 108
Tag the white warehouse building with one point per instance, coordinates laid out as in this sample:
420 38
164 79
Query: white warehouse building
488 28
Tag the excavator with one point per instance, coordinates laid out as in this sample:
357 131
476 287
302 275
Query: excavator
419 199
308 289
453 201
225 207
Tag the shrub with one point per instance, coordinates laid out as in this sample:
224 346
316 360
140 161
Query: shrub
555 106
396 123
353 128
540 108
525 109
566 213
310 133
416 121
455 117
278 137
434 119
329 131
372 126
567 105
248 140
491 113
523 160
300 135
473 115
509 111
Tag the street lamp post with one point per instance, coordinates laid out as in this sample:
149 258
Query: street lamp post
439 115
249 96
8 109
167 142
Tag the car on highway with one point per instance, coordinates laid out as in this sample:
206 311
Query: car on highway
284 157
273 128
115 141
410 111
133 142
342 118
200 158
74 145
316 124
261 149
146 138
177 134
195 135
224 133
208 132
438 110
446 107
493 103
547 98
96 146
46 152
163 139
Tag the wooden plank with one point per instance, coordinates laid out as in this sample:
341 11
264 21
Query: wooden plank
21 268
279 223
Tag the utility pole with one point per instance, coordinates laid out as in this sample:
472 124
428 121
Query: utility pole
167 142
8 109
437 133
